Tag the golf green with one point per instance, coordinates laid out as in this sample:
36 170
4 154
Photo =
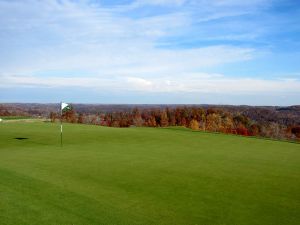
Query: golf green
133 176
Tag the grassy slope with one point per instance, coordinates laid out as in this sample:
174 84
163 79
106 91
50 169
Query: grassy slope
144 176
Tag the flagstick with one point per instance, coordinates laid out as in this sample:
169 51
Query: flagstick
60 125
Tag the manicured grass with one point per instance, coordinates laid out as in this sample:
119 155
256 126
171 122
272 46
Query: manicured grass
144 176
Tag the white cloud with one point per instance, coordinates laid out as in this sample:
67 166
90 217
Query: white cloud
139 83
48 35
190 83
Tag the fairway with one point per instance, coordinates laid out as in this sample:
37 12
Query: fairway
132 176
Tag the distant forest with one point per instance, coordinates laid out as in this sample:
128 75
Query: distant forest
264 121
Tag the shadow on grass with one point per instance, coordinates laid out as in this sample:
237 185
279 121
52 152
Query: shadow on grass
20 138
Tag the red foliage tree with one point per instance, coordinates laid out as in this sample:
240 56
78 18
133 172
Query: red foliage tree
241 130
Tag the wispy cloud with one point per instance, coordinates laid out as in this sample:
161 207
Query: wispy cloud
192 83
145 46
97 40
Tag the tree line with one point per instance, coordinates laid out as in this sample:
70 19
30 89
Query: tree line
196 118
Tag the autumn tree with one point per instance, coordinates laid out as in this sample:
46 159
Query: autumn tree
194 124
53 116
172 119
254 130
137 118
164 121
296 131
183 122
80 118
124 119
227 124
152 121
213 122
69 116
242 130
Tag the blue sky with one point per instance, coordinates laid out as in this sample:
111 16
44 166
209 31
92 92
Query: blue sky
150 51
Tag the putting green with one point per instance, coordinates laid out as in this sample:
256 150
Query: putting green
144 176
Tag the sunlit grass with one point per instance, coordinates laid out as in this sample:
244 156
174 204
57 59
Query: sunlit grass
107 175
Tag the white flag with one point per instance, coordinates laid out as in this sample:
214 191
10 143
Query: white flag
64 105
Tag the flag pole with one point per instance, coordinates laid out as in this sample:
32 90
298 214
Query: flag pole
61 128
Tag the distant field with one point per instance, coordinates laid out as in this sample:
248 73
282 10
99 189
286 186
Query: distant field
14 117
22 119
144 176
